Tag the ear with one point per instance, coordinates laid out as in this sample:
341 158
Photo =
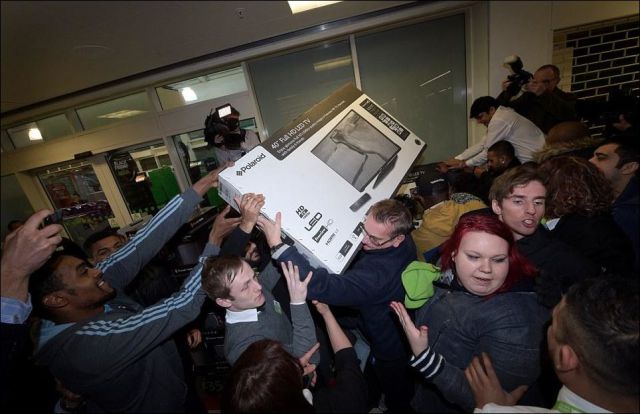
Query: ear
630 168
55 301
92 261
398 240
224 303
566 359
495 206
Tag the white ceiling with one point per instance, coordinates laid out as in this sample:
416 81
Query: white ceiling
53 48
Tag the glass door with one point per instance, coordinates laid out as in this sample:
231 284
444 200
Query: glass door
75 189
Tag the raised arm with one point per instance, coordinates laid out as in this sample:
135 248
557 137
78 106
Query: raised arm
126 339
337 337
123 266
24 251
304 333
249 205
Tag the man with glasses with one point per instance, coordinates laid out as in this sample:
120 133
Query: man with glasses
503 124
542 102
370 283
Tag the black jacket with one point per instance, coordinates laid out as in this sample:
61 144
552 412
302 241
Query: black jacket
559 265
600 239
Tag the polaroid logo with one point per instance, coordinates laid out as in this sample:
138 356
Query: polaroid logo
250 165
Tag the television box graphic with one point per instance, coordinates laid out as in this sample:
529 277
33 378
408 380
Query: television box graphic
324 170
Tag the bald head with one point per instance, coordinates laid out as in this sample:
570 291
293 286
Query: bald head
566 132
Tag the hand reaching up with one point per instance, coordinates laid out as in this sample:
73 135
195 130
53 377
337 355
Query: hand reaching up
272 229
418 338
222 226
249 205
26 250
297 288
210 180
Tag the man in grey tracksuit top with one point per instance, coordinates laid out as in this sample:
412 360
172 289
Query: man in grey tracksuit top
105 346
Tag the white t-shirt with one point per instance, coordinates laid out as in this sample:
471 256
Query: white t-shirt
506 125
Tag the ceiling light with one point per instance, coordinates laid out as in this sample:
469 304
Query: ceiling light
34 134
332 63
301 6
125 113
188 94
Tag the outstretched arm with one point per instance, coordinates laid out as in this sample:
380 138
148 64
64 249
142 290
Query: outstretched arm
337 337
304 333
24 251
123 266
249 205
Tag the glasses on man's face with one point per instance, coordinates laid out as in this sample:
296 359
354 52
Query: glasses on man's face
374 240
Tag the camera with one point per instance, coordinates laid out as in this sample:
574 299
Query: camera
518 76
53 218
221 123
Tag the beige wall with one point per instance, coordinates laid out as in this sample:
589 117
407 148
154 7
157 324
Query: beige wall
573 13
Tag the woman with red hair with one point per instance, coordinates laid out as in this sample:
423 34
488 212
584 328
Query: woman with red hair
477 307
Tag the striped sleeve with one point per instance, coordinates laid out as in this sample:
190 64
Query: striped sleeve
428 363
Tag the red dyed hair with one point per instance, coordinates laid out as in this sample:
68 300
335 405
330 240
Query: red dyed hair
519 266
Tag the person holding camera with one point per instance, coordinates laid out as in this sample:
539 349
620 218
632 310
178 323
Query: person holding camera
542 102
222 132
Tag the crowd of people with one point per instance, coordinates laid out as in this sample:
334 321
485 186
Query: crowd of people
519 286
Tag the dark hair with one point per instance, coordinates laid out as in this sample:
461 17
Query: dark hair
217 275
504 184
554 69
503 148
463 182
519 266
482 104
574 185
428 186
395 213
600 323
265 379
97 236
45 281
627 149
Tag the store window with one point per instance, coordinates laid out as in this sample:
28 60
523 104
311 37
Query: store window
289 84
36 132
145 177
198 159
116 110
202 88
75 189
418 74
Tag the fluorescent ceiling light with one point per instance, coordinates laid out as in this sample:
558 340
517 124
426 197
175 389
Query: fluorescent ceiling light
332 63
34 134
188 94
125 113
301 6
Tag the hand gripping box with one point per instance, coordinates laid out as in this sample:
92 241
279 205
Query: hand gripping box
324 170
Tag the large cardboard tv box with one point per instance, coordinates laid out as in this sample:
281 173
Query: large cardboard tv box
324 170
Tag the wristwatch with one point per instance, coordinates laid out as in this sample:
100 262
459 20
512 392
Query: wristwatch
276 247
